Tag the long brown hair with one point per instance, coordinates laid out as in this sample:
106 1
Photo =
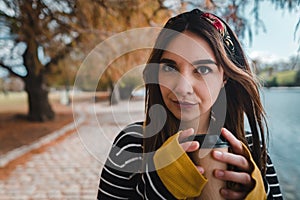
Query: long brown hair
242 90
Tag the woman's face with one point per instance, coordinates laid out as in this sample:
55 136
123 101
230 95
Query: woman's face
189 78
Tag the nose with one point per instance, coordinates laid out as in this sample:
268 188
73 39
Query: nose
183 86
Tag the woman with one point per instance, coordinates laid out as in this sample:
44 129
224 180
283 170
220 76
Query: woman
197 81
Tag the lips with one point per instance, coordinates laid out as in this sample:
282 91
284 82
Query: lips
184 104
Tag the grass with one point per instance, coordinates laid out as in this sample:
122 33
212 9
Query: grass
13 102
284 78
17 101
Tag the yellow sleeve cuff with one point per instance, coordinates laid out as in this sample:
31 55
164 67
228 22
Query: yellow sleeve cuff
258 192
177 171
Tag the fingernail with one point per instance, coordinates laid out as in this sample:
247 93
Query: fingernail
224 192
201 170
218 154
224 130
195 145
219 173
192 130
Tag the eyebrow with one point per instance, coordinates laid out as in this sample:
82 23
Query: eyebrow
197 62
166 60
205 61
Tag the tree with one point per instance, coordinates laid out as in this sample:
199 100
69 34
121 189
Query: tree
38 28
39 33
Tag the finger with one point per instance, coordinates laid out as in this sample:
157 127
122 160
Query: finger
231 194
235 144
236 177
238 161
200 169
185 133
190 146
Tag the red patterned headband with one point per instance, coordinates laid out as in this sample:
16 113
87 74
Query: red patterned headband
212 19
221 27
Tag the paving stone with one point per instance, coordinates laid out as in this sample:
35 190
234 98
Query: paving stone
66 170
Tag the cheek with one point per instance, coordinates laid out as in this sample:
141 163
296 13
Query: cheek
166 80
209 90
165 93
166 85
202 91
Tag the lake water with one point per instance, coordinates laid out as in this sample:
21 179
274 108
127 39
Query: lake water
283 109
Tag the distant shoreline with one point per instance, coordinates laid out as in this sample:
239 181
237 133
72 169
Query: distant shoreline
282 88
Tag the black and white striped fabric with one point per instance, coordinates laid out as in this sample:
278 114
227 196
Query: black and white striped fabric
122 176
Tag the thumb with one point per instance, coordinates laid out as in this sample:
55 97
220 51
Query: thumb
185 133
188 146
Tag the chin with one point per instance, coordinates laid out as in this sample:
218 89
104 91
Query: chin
188 118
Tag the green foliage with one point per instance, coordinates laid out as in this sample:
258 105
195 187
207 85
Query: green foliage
272 82
287 78
297 80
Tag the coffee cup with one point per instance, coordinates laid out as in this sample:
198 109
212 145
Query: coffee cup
202 157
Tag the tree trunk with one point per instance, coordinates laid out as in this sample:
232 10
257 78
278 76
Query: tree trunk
39 108
114 93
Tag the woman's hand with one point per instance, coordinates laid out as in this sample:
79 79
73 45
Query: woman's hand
189 146
241 176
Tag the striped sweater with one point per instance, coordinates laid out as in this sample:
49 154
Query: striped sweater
122 176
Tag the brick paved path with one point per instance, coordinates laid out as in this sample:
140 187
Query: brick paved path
71 168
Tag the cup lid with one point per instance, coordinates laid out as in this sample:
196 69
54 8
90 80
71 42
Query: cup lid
208 140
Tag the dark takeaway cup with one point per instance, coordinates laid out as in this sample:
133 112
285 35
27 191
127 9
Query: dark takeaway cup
203 158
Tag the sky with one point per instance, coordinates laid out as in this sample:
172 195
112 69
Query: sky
278 42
